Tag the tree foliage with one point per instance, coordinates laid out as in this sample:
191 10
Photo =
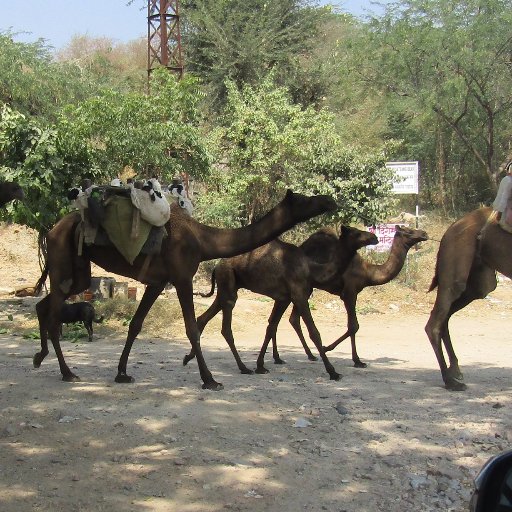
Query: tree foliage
444 70
243 40
100 139
33 83
268 144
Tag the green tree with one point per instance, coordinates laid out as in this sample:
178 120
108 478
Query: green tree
29 154
444 69
242 40
99 139
268 144
32 83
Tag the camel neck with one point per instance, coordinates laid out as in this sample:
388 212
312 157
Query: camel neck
225 243
385 272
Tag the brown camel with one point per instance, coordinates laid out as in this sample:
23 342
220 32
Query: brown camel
9 191
188 242
465 271
358 275
281 271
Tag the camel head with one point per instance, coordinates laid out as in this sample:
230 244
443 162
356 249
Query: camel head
355 239
304 208
10 190
411 236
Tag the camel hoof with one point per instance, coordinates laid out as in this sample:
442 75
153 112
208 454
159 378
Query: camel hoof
71 378
312 358
360 364
122 378
328 348
246 371
37 360
213 386
335 376
279 361
261 370
186 359
455 385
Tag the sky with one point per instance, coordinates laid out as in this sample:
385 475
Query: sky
57 21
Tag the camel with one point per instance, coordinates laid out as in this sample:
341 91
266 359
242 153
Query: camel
358 275
283 272
9 191
465 270
188 242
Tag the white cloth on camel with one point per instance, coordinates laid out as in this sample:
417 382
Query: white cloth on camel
156 212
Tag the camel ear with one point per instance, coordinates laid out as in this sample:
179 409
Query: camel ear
289 194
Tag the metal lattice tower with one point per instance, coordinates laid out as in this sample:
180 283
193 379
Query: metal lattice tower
164 38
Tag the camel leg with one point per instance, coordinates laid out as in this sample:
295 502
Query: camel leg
479 284
148 299
273 321
186 298
314 334
48 310
202 321
352 328
436 329
453 373
225 301
54 325
437 322
227 332
295 323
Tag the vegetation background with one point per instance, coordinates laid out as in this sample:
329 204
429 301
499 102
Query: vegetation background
276 95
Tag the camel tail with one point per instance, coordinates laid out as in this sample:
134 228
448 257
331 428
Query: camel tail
433 284
212 289
40 283
435 279
43 263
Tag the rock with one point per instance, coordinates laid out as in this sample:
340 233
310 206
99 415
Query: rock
340 409
302 423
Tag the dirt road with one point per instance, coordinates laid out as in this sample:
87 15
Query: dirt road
385 438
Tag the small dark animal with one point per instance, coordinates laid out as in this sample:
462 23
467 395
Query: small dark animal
79 312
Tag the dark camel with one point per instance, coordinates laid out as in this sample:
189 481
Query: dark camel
188 243
281 271
9 191
358 275
465 271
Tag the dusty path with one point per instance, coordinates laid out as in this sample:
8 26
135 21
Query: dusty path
386 438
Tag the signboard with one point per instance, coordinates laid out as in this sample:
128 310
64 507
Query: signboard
385 233
407 177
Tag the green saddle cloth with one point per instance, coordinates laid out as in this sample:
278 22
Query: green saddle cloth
117 223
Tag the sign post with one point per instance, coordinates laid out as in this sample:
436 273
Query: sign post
405 182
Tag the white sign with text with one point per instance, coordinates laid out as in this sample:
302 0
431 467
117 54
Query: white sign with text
406 177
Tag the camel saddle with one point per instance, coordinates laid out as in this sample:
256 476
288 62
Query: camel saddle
121 225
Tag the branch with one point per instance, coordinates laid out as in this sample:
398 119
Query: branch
461 135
